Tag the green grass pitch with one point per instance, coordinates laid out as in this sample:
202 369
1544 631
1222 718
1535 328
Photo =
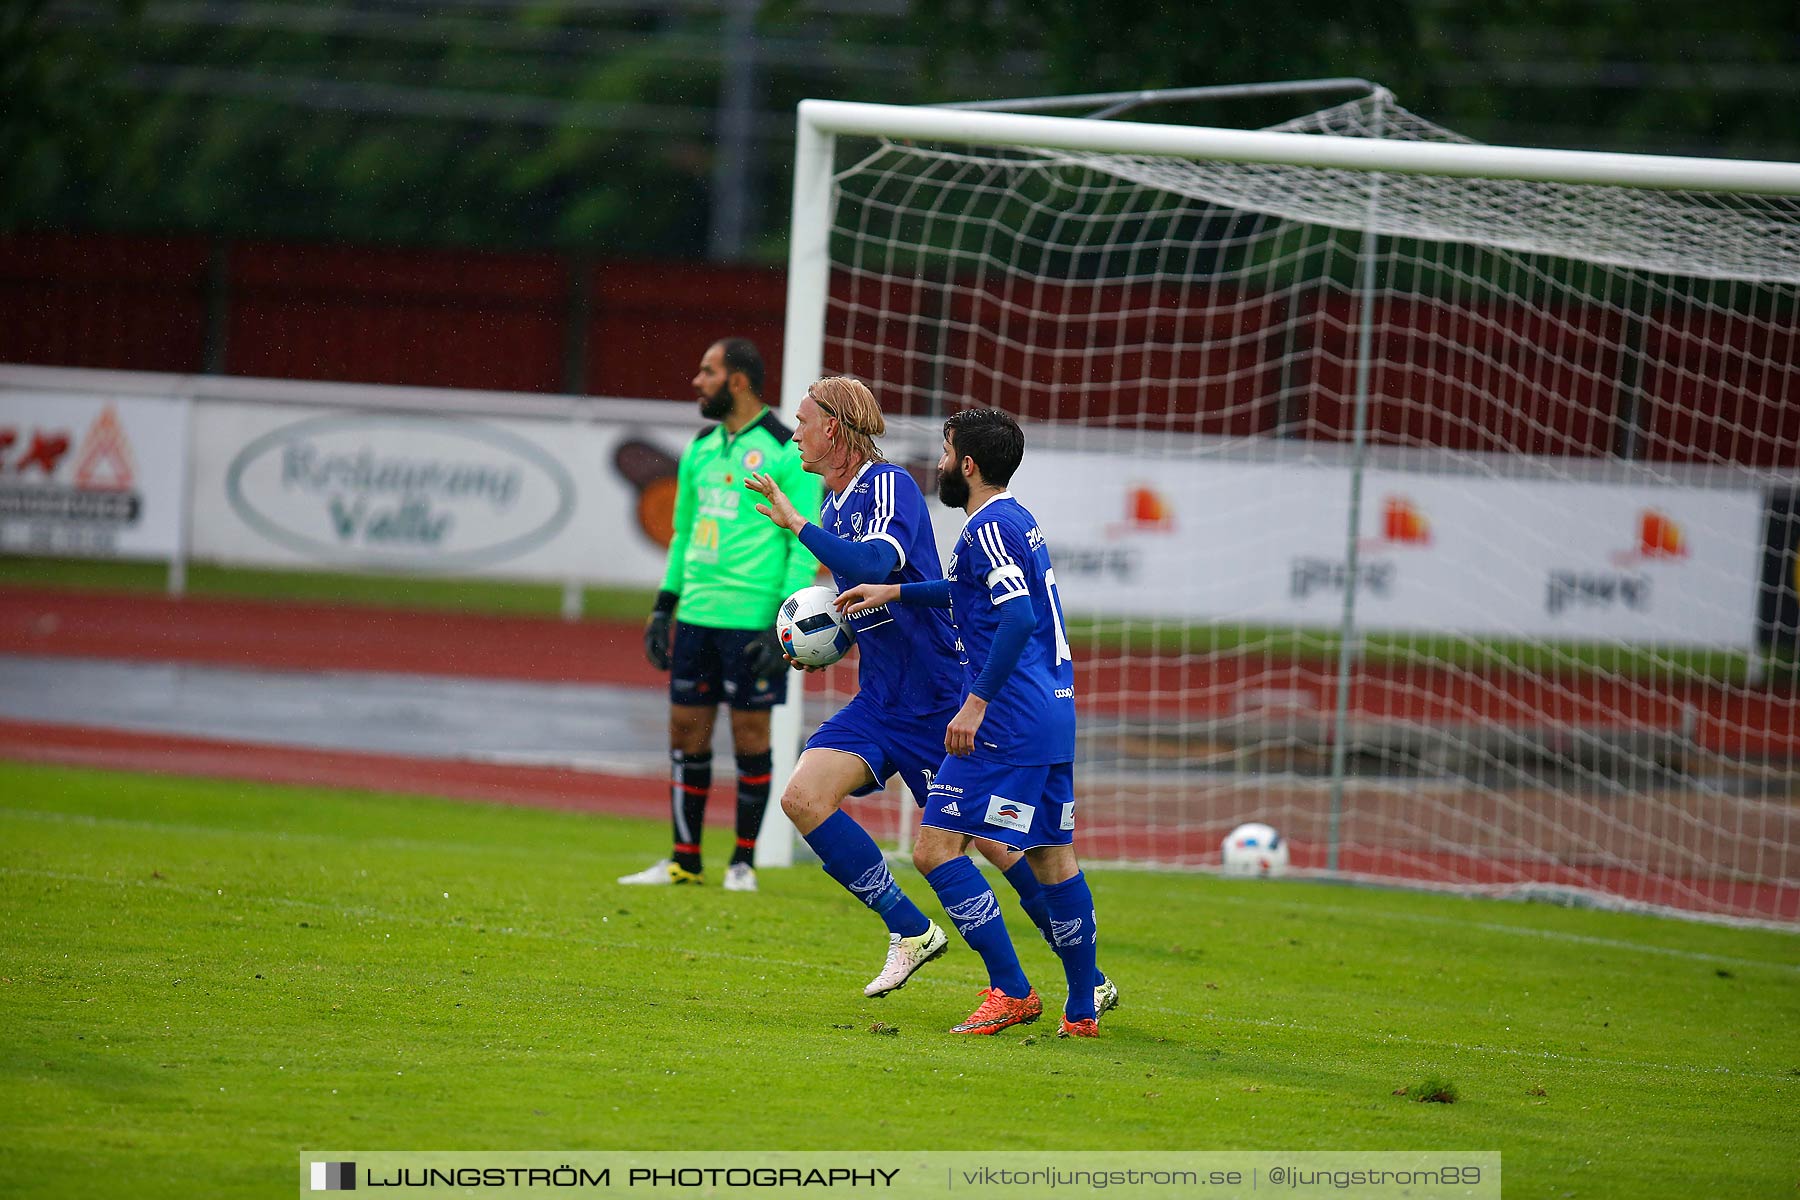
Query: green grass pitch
200 979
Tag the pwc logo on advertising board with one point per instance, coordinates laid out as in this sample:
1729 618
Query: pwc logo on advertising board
1113 557
1146 511
1404 526
1660 539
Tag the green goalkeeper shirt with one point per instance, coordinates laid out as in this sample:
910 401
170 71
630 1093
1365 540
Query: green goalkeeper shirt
731 565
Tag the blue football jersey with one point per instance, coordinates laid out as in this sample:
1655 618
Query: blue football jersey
909 661
1000 556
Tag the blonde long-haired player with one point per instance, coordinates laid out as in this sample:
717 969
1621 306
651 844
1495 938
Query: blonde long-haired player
874 527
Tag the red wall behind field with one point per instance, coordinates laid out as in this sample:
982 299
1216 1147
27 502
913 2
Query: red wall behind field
438 318
388 316
649 323
1709 386
108 302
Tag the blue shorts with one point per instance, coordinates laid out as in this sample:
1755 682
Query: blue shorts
1021 807
706 668
908 746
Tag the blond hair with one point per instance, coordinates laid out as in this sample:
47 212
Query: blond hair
859 419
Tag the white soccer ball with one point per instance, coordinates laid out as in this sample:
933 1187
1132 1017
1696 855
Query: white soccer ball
1255 849
811 629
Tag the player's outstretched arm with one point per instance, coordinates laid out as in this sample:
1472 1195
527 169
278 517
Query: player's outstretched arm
865 596
775 504
927 593
866 562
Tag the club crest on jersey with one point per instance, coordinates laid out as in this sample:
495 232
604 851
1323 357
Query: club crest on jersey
1008 814
856 525
753 460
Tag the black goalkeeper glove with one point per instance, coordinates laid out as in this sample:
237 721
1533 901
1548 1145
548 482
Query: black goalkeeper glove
762 654
656 631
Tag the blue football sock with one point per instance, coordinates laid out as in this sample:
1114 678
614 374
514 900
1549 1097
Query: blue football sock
1073 937
975 911
851 857
1031 899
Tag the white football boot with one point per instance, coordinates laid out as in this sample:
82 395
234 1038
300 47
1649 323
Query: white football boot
904 956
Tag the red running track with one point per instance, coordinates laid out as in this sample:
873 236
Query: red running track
1733 722
320 637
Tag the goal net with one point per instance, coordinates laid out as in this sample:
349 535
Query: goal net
1444 523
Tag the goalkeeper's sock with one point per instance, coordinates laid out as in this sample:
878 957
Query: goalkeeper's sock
1073 937
975 911
1031 899
850 856
752 802
690 778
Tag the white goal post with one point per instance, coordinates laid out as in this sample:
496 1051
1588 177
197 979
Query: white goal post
1332 424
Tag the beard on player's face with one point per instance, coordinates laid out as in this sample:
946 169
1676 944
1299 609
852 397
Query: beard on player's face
717 406
953 489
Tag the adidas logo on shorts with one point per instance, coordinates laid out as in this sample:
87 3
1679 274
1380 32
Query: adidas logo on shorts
950 810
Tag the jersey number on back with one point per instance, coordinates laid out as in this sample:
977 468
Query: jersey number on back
1063 654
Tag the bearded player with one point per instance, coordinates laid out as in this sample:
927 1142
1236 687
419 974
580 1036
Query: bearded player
712 626
1008 774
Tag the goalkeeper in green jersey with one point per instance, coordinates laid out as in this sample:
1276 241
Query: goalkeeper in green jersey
728 571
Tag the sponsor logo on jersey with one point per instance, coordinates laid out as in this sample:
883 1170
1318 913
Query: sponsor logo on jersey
1068 815
1008 814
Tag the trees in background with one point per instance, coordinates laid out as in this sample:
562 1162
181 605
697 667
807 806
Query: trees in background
594 127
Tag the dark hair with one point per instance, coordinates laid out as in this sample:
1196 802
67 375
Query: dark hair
740 355
990 437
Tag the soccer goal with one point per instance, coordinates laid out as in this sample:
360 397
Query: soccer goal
1429 501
